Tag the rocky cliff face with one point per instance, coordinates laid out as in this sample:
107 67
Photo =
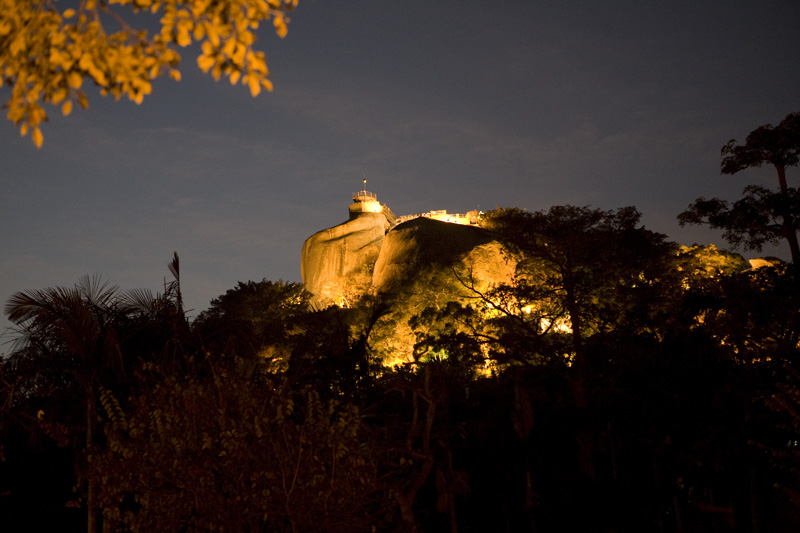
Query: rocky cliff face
418 264
336 262
422 244
427 263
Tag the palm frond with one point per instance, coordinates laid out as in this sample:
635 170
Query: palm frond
138 301
96 291
175 267
175 286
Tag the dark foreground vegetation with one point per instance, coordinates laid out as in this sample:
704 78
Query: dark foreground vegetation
674 407
618 382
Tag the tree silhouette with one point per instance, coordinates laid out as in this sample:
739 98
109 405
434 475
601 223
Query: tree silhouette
91 335
585 267
633 385
761 216
252 318
69 330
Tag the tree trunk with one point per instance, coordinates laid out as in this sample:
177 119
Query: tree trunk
788 227
584 437
91 504
406 499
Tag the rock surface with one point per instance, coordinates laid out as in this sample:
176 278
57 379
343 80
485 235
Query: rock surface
336 262
423 244
424 264
418 264
759 262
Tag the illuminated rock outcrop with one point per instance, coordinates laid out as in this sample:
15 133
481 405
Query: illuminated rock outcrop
342 263
336 262
422 262
427 263
466 255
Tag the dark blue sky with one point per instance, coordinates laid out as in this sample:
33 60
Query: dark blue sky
452 104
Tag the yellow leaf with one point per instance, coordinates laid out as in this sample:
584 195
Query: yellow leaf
280 26
266 84
75 79
38 138
234 77
175 74
255 86
66 109
23 130
56 57
213 35
69 13
238 54
183 38
36 115
17 44
229 47
205 63
59 96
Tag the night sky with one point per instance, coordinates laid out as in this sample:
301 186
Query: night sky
455 104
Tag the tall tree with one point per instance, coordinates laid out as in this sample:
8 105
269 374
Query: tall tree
252 318
585 267
70 331
88 336
761 216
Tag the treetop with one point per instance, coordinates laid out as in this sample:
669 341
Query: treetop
775 145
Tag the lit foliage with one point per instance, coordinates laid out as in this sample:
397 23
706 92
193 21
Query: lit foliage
579 272
397 330
47 53
707 261
590 268
454 333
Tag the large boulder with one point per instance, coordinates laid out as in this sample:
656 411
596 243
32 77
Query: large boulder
336 263
426 263
462 253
